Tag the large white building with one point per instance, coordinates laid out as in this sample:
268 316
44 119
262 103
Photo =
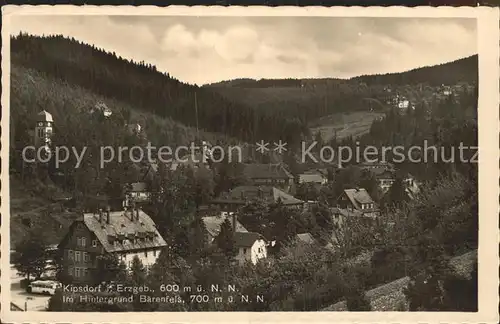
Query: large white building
125 234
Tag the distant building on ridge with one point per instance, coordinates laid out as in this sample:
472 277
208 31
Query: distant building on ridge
44 130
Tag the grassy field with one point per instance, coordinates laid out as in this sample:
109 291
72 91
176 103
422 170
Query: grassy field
345 124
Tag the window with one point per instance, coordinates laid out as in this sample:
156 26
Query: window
86 257
40 132
154 253
94 243
78 241
244 251
145 254
70 254
84 241
77 256
77 272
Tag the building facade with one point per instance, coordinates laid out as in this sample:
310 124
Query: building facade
44 130
232 201
275 175
137 193
125 234
252 247
360 201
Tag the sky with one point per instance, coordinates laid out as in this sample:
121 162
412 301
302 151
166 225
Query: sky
200 50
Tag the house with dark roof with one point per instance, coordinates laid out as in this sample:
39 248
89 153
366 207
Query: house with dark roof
213 224
358 200
125 234
275 175
252 247
198 157
229 202
385 174
137 193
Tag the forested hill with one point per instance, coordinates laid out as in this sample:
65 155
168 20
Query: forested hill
462 70
249 110
141 85
311 99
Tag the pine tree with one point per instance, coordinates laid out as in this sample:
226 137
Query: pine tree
197 237
137 272
30 258
225 239
397 195
108 268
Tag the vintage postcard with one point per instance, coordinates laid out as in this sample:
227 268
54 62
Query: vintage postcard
257 165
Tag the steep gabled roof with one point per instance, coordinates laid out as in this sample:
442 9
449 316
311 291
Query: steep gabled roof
123 224
242 194
266 171
358 196
246 239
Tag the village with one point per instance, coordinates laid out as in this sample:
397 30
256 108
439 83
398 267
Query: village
287 231
127 231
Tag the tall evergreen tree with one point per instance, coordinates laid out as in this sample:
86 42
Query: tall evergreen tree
225 239
31 256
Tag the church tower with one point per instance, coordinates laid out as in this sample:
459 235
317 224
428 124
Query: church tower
43 129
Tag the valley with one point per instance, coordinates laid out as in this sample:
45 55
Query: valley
277 226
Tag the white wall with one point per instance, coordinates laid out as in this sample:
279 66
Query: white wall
252 254
147 261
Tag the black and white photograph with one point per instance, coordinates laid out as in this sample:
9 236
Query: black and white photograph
246 163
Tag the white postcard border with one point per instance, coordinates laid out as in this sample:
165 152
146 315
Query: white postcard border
488 116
